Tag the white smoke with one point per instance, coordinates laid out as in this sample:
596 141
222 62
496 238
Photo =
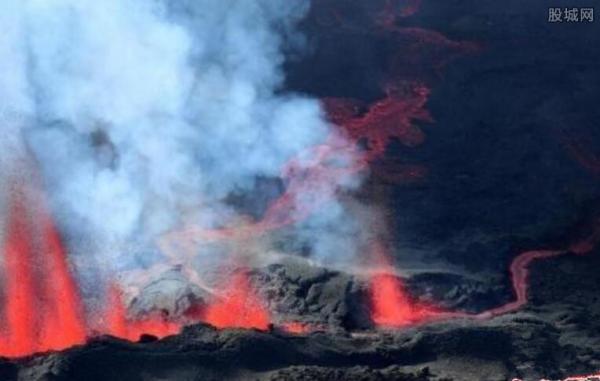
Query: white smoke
145 115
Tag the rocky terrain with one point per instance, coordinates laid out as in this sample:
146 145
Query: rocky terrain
556 335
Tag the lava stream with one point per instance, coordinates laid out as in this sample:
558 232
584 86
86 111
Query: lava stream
589 377
391 306
519 272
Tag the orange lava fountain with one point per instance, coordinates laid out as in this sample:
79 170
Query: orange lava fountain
120 325
391 306
42 307
239 306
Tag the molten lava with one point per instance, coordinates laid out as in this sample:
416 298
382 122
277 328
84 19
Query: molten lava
519 271
391 117
299 328
391 306
120 325
588 377
238 307
42 307
65 313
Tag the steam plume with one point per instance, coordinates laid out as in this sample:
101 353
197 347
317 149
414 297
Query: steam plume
148 115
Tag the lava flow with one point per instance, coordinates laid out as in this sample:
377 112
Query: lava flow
42 307
519 271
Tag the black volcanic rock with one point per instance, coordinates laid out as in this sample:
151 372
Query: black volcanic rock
299 292
458 292
169 293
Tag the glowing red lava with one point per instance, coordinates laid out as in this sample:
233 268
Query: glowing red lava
299 328
589 377
388 118
239 306
120 325
391 306
519 272
42 306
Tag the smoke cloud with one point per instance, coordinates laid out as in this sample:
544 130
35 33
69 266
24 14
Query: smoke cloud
144 116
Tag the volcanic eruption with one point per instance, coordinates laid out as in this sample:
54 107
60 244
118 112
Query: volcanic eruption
282 190
40 294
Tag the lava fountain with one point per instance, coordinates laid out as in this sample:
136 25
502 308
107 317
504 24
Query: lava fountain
391 305
239 306
120 324
42 307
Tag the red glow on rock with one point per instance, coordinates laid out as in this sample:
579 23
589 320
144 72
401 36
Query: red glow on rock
589 377
119 324
42 308
298 328
390 117
238 307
